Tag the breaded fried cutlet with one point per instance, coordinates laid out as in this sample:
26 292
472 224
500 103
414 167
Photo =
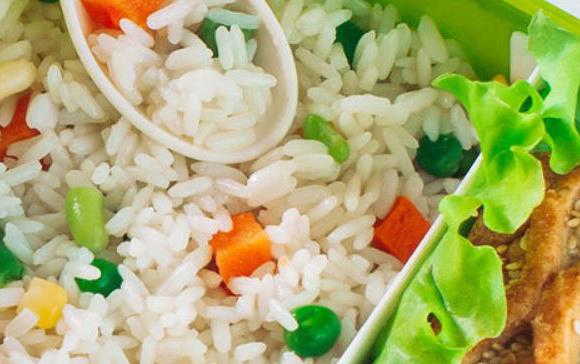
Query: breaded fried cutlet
535 260
555 338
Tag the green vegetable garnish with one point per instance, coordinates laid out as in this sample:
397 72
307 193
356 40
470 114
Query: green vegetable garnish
318 330
11 269
461 286
349 34
528 103
510 183
457 298
440 158
317 128
558 53
218 17
85 217
49 1
109 280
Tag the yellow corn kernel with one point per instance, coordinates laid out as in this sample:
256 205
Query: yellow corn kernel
16 76
501 79
46 300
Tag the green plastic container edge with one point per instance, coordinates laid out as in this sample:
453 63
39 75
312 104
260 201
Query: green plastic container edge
508 16
482 27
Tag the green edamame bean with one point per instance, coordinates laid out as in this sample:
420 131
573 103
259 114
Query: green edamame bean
317 128
85 217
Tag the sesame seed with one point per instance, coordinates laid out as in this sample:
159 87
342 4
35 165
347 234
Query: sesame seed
509 359
502 248
489 354
572 243
576 324
497 347
575 222
514 266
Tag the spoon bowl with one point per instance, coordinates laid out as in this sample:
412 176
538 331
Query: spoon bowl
274 56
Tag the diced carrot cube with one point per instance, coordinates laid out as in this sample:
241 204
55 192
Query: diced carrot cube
402 230
242 250
108 13
17 130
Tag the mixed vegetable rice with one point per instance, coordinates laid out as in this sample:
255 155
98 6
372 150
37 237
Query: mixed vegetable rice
116 249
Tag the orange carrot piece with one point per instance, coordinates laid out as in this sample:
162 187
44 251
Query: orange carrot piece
108 13
17 130
401 231
242 250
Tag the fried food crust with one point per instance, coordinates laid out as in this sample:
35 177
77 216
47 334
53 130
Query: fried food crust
546 254
555 340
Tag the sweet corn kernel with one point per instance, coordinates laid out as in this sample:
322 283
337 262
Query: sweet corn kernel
501 79
46 300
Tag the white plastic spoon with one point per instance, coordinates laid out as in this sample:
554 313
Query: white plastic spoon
274 56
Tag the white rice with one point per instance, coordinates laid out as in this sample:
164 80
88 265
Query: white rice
10 297
179 87
163 209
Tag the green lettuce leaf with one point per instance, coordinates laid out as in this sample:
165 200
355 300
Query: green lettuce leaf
461 286
510 187
558 55
509 183
456 209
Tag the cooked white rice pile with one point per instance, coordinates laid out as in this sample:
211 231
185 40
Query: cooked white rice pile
218 101
163 209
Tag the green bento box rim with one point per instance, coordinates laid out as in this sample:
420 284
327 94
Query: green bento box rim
483 27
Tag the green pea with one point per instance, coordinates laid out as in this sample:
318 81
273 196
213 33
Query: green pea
469 157
11 269
317 128
441 158
349 34
318 330
85 216
218 17
109 280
